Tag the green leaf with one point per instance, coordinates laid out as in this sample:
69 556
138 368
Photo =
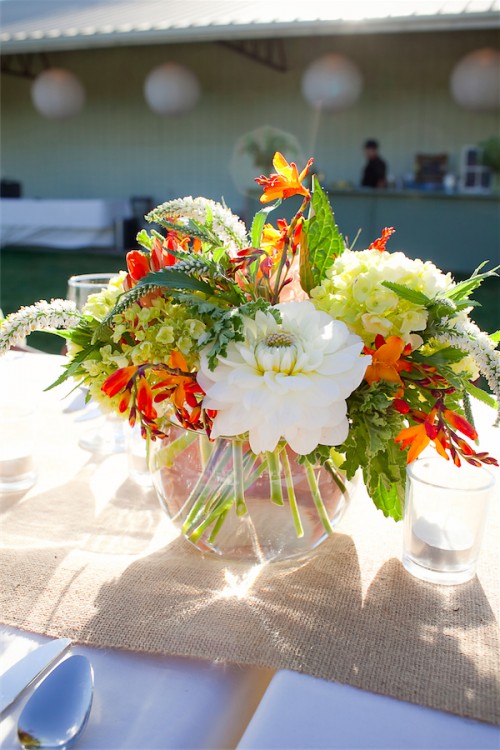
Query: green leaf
170 278
67 335
307 281
218 254
370 446
385 479
323 240
145 240
258 223
410 295
463 289
446 356
480 395
387 498
495 336
73 367
466 303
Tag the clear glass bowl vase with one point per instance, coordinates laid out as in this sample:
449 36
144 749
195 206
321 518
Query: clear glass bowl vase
230 502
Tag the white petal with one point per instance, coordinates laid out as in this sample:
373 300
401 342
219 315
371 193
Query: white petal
263 438
247 355
244 377
337 412
274 385
336 434
336 334
302 441
203 380
297 383
342 360
229 423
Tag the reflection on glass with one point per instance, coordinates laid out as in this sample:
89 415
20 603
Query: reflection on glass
108 437
82 286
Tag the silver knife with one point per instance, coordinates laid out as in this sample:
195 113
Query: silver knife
26 670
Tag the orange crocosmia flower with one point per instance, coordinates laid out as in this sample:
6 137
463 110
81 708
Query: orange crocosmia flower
160 257
274 239
382 241
460 423
272 243
177 361
118 380
416 437
387 362
124 401
145 399
419 436
137 264
297 235
180 388
285 182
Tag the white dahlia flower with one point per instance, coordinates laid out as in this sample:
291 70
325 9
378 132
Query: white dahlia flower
286 380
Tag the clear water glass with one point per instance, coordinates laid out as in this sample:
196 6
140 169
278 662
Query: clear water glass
82 286
109 438
444 519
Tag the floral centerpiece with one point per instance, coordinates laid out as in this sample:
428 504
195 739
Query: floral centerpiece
287 350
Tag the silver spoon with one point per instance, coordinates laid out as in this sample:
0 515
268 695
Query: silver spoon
57 712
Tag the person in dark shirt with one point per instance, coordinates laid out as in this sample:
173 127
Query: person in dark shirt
375 172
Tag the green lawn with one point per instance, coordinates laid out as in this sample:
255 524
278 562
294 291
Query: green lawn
30 275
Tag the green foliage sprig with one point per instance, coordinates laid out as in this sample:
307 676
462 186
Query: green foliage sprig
321 241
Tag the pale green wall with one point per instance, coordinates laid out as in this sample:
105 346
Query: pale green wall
117 147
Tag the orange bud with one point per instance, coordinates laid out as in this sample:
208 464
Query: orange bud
145 399
460 423
118 380
137 264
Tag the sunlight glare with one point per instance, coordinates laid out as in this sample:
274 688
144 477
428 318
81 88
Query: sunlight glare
238 586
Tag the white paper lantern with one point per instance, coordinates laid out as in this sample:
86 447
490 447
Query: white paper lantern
171 89
332 83
475 81
57 94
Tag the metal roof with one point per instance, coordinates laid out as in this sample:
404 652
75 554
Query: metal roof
44 25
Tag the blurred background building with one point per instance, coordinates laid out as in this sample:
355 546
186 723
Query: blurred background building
113 100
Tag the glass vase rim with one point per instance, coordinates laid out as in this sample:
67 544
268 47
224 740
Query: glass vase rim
84 279
411 471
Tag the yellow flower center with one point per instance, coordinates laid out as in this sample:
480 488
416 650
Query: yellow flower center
279 339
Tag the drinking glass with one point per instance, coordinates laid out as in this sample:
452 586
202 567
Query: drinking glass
445 513
82 286
109 437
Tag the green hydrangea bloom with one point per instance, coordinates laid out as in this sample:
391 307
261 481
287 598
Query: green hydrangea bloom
353 292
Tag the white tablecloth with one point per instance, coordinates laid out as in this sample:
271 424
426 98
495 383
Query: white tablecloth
61 223
144 702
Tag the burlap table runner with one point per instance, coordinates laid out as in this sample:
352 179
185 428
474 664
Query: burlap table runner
89 555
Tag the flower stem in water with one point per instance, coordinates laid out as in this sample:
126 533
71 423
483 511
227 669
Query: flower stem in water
274 468
205 449
239 486
217 526
330 467
291 495
201 490
316 496
168 453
